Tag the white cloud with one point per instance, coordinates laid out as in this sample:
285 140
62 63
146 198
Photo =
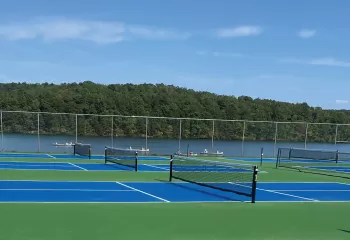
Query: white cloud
220 54
241 31
341 101
306 33
227 54
102 32
153 33
326 61
202 53
329 62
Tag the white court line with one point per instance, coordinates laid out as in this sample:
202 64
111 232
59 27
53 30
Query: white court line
69 189
51 156
74 170
77 166
38 169
167 169
181 202
142 192
33 165
290 195
39 180
331 190
296 182
348 184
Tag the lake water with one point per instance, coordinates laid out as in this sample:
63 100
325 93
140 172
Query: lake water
44 143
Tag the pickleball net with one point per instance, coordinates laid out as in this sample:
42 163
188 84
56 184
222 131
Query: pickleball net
123 157
82 149
237 178
325 162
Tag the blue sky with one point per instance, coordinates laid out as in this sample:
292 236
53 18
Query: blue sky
295 51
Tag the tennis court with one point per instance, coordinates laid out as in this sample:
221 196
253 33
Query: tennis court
156 192
105 194
69 156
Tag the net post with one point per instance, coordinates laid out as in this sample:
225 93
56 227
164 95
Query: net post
255 179
290 153
337 157
136 161
188 146
261 156
89 152
75 144
278 157
171 168
105 154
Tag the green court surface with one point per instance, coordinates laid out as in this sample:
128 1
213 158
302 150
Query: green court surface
173 221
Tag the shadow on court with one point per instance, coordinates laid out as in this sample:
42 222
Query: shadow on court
346 231
189 188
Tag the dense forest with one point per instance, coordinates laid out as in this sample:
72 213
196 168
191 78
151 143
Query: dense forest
160 101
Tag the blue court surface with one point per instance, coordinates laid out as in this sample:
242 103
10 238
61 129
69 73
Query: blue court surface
70 156
67 166
157 192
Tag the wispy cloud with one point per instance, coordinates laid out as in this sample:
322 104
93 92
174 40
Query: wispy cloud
220 54
329 62
241 31
341 101
102 32
306 33
326 61
202 53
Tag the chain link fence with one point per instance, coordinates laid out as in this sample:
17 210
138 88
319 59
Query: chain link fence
55 132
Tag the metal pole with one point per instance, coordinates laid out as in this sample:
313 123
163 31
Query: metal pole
275 144
306 132
112 132
38 132
2 133
244 123
146 133
212 138
336 135
76 127
180 135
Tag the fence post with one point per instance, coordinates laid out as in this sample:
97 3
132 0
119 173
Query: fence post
38 132
112 132
306 132
212 137
76 127
180 136
2 133
146 133
243 138
336 135
275 144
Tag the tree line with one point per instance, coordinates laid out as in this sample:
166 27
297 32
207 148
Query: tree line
160 100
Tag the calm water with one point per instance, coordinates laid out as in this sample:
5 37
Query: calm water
31 143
